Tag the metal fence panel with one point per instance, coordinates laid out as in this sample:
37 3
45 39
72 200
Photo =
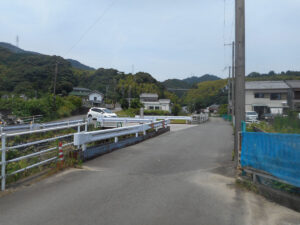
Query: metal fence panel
276 154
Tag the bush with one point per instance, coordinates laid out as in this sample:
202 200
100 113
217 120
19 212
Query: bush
124 104
157 112
136 104
176 109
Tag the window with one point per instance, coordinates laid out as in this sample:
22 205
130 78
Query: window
95 98
151 107
297 94
156 107
259 95
275 96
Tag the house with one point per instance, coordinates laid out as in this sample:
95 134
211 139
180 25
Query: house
89 97
294 94
151 102
267 97
96 98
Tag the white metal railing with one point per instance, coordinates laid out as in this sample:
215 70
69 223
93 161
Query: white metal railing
187 118
123 120
36 126
83 138
6 148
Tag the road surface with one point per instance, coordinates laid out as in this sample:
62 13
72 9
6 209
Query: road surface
179 178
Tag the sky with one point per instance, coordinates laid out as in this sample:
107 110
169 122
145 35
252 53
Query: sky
166 38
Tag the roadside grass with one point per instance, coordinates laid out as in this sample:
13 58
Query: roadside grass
289 124
178 121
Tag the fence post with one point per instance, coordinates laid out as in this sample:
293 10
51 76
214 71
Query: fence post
60 153
3 166
78 128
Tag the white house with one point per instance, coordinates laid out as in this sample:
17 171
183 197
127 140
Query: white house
267 97
95 97
151 102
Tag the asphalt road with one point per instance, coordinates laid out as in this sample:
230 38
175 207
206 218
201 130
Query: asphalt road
182 177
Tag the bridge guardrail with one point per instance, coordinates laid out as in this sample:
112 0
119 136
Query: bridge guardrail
35 126
6 148
83 138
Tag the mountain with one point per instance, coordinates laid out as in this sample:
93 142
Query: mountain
195 80
79 65
176 83
32 74
14 49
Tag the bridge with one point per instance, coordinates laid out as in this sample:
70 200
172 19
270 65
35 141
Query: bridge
185 176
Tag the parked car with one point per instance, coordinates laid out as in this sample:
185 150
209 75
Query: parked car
251 116
96 112
267 116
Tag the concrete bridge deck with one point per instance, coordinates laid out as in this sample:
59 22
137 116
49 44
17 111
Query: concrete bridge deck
182 177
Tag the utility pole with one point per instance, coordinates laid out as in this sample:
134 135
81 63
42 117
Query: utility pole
229 94
232 82
129 96
54 85
232 79
239 72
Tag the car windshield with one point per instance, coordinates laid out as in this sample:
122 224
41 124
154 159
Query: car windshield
251 113
107 111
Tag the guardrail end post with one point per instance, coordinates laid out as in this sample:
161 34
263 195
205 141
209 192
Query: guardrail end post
3 160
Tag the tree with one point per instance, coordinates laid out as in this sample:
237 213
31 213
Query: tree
124 104
176 108
136 104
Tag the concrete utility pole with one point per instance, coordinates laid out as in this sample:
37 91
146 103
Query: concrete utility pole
233 81
229 87
54 85
239 71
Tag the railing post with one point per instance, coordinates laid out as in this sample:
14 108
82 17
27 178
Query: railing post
116 139
86 127
78 128
3 160
136 134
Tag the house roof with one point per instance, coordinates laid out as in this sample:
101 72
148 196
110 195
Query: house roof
293 83
80 89
260 85
97 92
148 95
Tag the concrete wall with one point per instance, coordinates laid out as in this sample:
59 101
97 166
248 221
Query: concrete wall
266 101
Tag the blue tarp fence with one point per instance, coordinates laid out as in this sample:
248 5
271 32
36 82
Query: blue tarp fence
276 154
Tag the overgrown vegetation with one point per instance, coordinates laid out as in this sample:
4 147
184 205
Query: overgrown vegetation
64 107
280 124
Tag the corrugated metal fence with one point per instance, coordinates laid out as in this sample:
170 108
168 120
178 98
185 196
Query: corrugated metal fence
276 154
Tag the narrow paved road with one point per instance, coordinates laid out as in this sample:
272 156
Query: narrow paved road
182 177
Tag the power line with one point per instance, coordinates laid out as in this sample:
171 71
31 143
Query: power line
90 27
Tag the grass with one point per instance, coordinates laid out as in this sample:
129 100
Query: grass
289 124
178 121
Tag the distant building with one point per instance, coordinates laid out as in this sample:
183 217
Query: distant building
294 94
89 97
213 108
267 97
95 98
151 102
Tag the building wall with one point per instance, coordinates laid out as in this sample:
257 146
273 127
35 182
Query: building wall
266 101
156 106
98 96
